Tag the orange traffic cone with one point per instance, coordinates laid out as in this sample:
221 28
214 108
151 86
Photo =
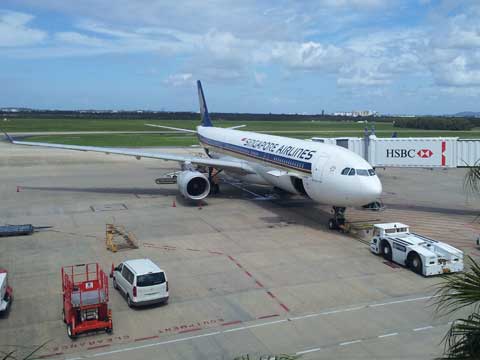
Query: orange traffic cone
174 204
113 269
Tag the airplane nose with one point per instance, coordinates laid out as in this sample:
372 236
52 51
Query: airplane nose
374 187
371 189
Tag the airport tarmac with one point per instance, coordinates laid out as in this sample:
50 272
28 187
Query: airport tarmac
246 275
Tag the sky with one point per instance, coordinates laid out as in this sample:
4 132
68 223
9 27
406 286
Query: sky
271 56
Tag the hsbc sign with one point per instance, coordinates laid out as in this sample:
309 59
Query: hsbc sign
425 153
412 152
409 153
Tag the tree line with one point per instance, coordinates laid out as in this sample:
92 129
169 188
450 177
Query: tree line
437 123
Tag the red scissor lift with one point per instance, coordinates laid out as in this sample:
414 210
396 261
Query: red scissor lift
85 299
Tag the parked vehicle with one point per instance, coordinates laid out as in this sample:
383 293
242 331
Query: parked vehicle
141 281
85 299
423 255
6 292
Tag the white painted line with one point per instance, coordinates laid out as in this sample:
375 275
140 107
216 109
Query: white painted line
307 351
423 328
259 325
264 324
350 342
235 329
151 345
303 317
342 310
404 301
387 335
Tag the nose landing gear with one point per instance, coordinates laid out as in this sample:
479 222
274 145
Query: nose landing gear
338 220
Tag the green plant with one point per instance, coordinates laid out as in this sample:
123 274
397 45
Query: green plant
456 292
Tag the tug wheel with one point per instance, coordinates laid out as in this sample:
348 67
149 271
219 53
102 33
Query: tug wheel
386 251
415 263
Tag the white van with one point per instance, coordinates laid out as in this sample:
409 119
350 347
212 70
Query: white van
141 281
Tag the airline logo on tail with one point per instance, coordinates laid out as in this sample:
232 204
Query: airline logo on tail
203 106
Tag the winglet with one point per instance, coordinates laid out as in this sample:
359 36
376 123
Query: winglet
9 138
203 106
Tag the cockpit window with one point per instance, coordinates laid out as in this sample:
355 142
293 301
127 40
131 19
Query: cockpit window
362 172
371 172
352 172
345 171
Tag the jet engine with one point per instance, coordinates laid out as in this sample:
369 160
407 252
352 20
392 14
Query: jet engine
193 185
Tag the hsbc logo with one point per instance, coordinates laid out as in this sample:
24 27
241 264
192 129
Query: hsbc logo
409 153
425 153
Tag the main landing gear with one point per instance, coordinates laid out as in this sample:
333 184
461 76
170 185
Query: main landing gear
338 220
213 179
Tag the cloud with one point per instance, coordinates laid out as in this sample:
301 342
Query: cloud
180 79
14 30
75 38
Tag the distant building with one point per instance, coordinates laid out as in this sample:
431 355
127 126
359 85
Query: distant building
357 113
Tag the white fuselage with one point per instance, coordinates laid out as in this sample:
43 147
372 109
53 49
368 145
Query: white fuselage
297 166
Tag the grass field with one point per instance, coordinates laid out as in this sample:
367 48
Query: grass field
297 129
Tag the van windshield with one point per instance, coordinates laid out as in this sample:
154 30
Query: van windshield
151 279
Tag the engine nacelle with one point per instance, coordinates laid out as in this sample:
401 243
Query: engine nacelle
193 185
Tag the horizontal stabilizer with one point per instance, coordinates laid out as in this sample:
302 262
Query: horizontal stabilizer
172 128
236 127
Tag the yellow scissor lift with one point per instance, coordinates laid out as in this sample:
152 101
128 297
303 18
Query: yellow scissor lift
118 238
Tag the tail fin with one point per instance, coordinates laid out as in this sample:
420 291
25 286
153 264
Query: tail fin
203 106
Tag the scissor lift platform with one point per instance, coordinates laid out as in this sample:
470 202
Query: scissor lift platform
85 299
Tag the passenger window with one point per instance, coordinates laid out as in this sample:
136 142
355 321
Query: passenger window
345 171
124 272
371 172
127 274
130 277
362 172
352 172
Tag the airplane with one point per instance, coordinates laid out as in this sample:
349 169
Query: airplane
327 174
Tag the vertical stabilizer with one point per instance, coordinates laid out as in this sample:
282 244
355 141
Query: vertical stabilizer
203 106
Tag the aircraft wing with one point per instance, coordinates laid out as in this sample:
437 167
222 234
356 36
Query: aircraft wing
217 163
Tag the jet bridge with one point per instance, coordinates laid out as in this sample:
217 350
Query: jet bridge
425 152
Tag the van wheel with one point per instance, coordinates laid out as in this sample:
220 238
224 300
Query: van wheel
63 316
109 330
70 332
415 264
386 251
332 225
129 301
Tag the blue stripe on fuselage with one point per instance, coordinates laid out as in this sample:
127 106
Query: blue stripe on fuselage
261 155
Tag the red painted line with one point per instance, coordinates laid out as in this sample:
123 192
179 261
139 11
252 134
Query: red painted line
271 295
259 283
190 330
49 355
444 158
240 266
246 272
232 322
216 252
193 249
285 307
98 347
231 258
267 316
147 338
